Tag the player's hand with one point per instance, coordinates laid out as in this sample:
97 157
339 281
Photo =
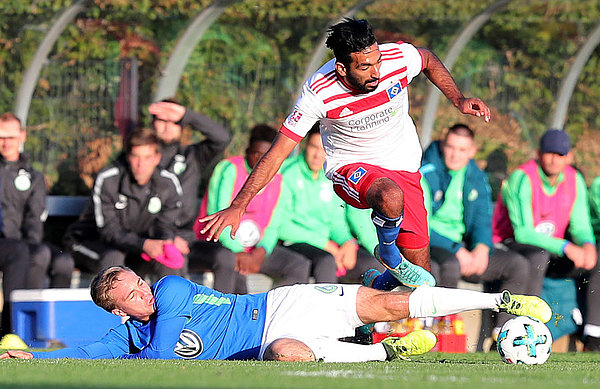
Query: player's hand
181 245
168 112
16 354
474 106
332 248
481 258
575 254
590 256
154 247
250 263
217 222
465 259
347 254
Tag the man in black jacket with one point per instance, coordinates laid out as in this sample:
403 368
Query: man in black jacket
133 211
24 209
14 254
191 163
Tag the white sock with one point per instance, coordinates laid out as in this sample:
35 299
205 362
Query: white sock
591 330
330 350
427 301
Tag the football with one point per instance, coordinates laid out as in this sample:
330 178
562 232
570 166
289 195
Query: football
524 340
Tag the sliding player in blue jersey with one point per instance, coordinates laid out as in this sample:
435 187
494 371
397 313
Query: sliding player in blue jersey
178 319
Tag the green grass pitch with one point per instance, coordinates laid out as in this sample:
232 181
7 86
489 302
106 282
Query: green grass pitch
433 370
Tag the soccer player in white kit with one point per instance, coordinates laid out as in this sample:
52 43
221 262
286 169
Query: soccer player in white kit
360 99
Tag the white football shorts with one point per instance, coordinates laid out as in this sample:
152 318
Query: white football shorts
309 313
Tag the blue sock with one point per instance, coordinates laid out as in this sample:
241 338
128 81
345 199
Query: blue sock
385 281
387 232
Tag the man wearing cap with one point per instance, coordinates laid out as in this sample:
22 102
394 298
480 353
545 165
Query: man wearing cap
543 213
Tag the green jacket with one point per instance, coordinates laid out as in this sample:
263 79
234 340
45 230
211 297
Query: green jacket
595 206
362 227
516 194
220 194
317 213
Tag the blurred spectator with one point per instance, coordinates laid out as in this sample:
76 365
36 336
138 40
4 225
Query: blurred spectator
543 213
363 230
133 208
24 209
317 227
254 249
14 262
458 202
191 163
496 170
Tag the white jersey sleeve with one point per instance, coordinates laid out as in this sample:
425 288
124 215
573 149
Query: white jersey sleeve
414 61
307 111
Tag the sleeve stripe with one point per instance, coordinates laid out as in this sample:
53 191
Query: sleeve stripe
290 134
98 190
174 179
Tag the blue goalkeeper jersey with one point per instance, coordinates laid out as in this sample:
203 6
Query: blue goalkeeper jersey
191 322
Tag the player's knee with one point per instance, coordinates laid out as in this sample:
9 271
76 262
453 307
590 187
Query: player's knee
386 197
289 350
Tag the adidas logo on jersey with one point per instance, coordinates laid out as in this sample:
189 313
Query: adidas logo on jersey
346 112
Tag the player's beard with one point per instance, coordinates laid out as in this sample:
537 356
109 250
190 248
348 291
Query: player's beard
363 87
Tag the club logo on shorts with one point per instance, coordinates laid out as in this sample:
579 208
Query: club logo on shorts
357 175
189 345
394 90
328 289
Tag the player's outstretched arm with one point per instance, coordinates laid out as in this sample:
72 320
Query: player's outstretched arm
262 173
16 354
437 73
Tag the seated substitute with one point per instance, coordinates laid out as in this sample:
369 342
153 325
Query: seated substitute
192 164
317 227
254 249
543 213
459 205
178 319
133 208
24 209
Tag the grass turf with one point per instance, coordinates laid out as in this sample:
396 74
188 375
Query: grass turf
433 370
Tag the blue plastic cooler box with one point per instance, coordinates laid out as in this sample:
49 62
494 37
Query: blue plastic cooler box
42 316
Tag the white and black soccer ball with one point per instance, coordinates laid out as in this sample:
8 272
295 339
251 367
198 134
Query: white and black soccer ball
248 233
524 340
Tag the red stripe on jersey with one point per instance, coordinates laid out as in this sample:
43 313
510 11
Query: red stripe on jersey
290 134
391 56
340 96
325 78
324 86
404 82
394 73
359 106
392 51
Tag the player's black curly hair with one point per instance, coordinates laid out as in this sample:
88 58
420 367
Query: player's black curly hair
349 36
